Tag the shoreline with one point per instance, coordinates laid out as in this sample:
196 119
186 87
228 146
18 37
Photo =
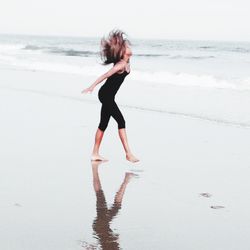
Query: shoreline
193 102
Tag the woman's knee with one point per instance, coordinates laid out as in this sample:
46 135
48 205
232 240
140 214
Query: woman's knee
121 123
102 126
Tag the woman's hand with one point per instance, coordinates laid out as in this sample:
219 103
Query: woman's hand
89 89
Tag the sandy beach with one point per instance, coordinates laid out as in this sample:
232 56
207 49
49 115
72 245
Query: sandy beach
52 197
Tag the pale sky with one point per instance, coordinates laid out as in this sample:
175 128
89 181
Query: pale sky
176 19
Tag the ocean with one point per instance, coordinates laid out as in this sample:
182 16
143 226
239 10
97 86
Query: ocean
190 63
207 80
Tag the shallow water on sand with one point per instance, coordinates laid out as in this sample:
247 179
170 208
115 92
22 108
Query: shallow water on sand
52 197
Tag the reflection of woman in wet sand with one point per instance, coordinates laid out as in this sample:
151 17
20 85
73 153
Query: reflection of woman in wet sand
101 225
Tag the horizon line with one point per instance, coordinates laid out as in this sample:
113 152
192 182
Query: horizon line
130 37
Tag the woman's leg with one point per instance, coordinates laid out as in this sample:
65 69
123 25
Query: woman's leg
98 139
117 115
124 140
105 116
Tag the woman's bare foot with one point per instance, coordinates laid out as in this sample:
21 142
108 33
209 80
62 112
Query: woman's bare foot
98 158
131 158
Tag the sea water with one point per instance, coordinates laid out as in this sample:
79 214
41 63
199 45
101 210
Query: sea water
156 63
203 63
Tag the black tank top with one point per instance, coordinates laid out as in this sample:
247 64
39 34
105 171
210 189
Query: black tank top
112 85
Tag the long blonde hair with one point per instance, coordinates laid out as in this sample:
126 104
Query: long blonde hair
113 47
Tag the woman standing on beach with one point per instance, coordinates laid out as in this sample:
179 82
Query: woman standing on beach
115 49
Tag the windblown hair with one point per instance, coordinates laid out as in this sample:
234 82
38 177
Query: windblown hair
113 47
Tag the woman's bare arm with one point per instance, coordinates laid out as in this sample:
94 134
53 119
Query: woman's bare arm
118 66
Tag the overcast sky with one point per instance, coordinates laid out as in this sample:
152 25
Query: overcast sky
176 19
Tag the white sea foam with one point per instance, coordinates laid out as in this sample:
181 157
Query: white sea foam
155 79
184 79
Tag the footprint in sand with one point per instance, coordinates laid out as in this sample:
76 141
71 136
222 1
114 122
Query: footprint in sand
217 207
17 205
207 195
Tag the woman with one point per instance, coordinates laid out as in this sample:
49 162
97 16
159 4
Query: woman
115 49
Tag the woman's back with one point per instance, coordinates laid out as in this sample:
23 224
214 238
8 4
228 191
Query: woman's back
112 85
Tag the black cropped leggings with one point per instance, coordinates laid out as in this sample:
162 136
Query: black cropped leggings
110 108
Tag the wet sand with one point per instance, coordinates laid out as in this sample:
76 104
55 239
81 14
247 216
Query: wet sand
189 191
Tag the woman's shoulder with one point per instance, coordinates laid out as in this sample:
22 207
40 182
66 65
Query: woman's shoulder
121 66
121 63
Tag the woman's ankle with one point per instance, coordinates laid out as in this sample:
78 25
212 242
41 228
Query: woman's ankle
128 153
